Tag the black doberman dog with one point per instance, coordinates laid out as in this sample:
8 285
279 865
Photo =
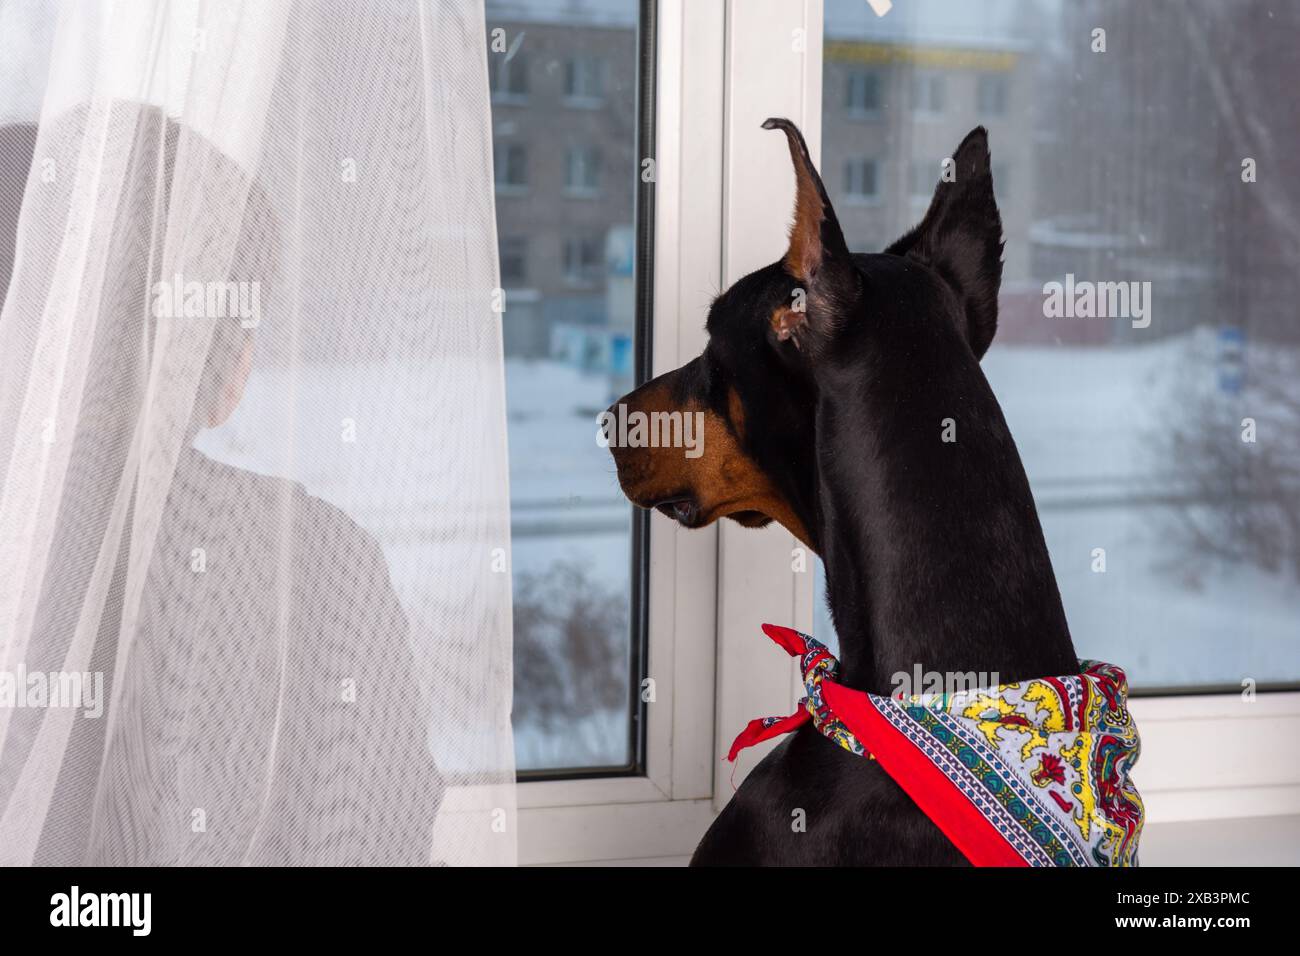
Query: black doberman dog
827 386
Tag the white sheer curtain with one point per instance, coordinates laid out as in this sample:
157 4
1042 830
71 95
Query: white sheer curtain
252 438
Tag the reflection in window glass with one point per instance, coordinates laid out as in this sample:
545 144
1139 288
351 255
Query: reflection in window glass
566 264
1165 443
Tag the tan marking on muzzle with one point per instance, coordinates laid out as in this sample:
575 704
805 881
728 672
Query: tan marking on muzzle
724 480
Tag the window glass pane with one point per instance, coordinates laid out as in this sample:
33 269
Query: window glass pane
566 265
1163 431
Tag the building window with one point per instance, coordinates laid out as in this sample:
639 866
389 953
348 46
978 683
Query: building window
582 171
928 92
511 167
991 94
583 260
862 179
513 256
508 76
862 93
584 80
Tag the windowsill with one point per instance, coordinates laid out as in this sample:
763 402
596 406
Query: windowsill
1242 841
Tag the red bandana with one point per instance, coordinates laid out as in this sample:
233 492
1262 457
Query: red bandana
1034 773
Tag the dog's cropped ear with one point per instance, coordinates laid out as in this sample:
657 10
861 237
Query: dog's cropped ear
817 258
961 237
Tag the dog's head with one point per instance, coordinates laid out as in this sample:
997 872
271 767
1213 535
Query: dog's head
777 336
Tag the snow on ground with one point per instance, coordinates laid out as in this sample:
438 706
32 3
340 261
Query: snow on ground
1090 413
564 492
1082 413
566 506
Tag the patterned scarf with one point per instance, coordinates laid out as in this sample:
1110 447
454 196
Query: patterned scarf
1028 774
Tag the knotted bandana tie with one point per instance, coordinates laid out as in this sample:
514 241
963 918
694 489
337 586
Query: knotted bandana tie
1034 773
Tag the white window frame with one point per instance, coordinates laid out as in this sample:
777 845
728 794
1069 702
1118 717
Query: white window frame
709 588
1204 757
663 813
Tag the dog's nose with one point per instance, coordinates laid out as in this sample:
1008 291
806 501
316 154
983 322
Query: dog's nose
609 426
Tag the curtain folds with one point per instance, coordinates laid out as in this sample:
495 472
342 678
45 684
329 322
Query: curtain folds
254 520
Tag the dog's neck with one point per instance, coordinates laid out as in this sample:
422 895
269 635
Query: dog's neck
933 550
